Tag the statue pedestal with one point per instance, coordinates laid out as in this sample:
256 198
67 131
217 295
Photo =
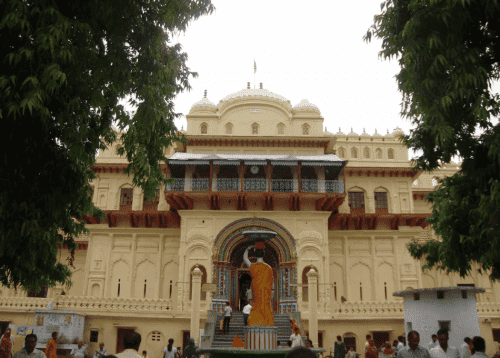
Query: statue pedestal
261 337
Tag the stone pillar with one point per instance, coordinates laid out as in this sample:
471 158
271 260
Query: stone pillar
346 268
159 277
374 268
133 271
107 282
162 203
195 305
312 279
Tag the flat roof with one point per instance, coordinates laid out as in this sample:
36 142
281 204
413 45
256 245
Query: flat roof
435 289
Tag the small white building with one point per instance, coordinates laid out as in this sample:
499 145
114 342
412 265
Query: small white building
428 310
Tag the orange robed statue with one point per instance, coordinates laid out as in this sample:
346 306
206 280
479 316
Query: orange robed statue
262 282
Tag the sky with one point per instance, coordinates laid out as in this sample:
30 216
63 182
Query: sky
303 50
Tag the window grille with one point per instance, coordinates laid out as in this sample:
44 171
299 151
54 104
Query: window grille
204 128
381 203
126 196
356 200
94 336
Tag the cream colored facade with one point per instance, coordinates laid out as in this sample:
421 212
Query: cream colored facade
134 271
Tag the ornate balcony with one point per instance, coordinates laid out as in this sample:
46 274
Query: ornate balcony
255 184
226 184
285 185
322 186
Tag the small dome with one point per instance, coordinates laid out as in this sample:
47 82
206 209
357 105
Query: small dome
397 131
204 102
351 133
252 92
388 134
340 132
305 104
364 134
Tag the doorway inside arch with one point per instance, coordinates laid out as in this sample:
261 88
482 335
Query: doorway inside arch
244 284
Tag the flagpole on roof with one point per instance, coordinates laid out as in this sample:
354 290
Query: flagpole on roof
254 70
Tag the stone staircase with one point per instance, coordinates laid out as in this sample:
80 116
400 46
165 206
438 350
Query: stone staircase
282 321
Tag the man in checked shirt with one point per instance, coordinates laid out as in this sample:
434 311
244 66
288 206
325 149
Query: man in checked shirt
414 350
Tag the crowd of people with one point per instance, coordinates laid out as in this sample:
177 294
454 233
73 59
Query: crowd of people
437 348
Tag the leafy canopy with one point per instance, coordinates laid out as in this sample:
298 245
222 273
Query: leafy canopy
449 52
65 66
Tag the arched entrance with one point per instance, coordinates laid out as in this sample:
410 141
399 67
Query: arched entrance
232 275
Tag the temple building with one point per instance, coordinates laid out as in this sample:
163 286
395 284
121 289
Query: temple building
344 207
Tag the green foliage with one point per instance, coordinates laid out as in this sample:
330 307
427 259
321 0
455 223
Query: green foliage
449 52
65 66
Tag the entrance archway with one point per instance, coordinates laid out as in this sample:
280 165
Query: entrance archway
231 274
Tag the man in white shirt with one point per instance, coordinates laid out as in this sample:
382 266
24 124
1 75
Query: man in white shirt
444 351
131 343
464 348
414 350
79 352
246 312
478 347
29 350
401 344
434 343
101 352
228 311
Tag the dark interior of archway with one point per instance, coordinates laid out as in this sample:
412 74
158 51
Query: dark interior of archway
282 172
271 256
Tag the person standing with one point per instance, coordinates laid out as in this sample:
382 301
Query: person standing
170 351
478 347
387 351
434 343
78 352
414 350
464 348
295 338
401 344
51 348
131 343
101 352
228 312
339 348
351 353
6 345
367 343
371 351
246 312
29 350
444 350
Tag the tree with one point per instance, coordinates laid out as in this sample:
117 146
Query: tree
449 52
65 66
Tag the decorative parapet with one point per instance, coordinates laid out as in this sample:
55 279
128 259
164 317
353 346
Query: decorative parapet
372 309
29 304
488 309
88 305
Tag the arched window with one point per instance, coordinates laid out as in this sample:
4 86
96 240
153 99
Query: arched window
305 129
378 153
354 153
390 153
255 128
341 152
203 280
366 152
281 128
229 128
204 128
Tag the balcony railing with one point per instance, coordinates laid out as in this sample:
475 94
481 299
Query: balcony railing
255 184
285 185
227 184
179 185
322 186
259 185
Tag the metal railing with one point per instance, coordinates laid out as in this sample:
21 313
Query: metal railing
178 185
226 184
285 185
255 184
258 184
322 186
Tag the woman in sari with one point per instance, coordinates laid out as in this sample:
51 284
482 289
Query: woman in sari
388 351
371 350
6 345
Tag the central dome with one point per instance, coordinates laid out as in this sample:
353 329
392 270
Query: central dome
249 92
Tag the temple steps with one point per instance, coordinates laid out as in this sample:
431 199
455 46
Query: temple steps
282 321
